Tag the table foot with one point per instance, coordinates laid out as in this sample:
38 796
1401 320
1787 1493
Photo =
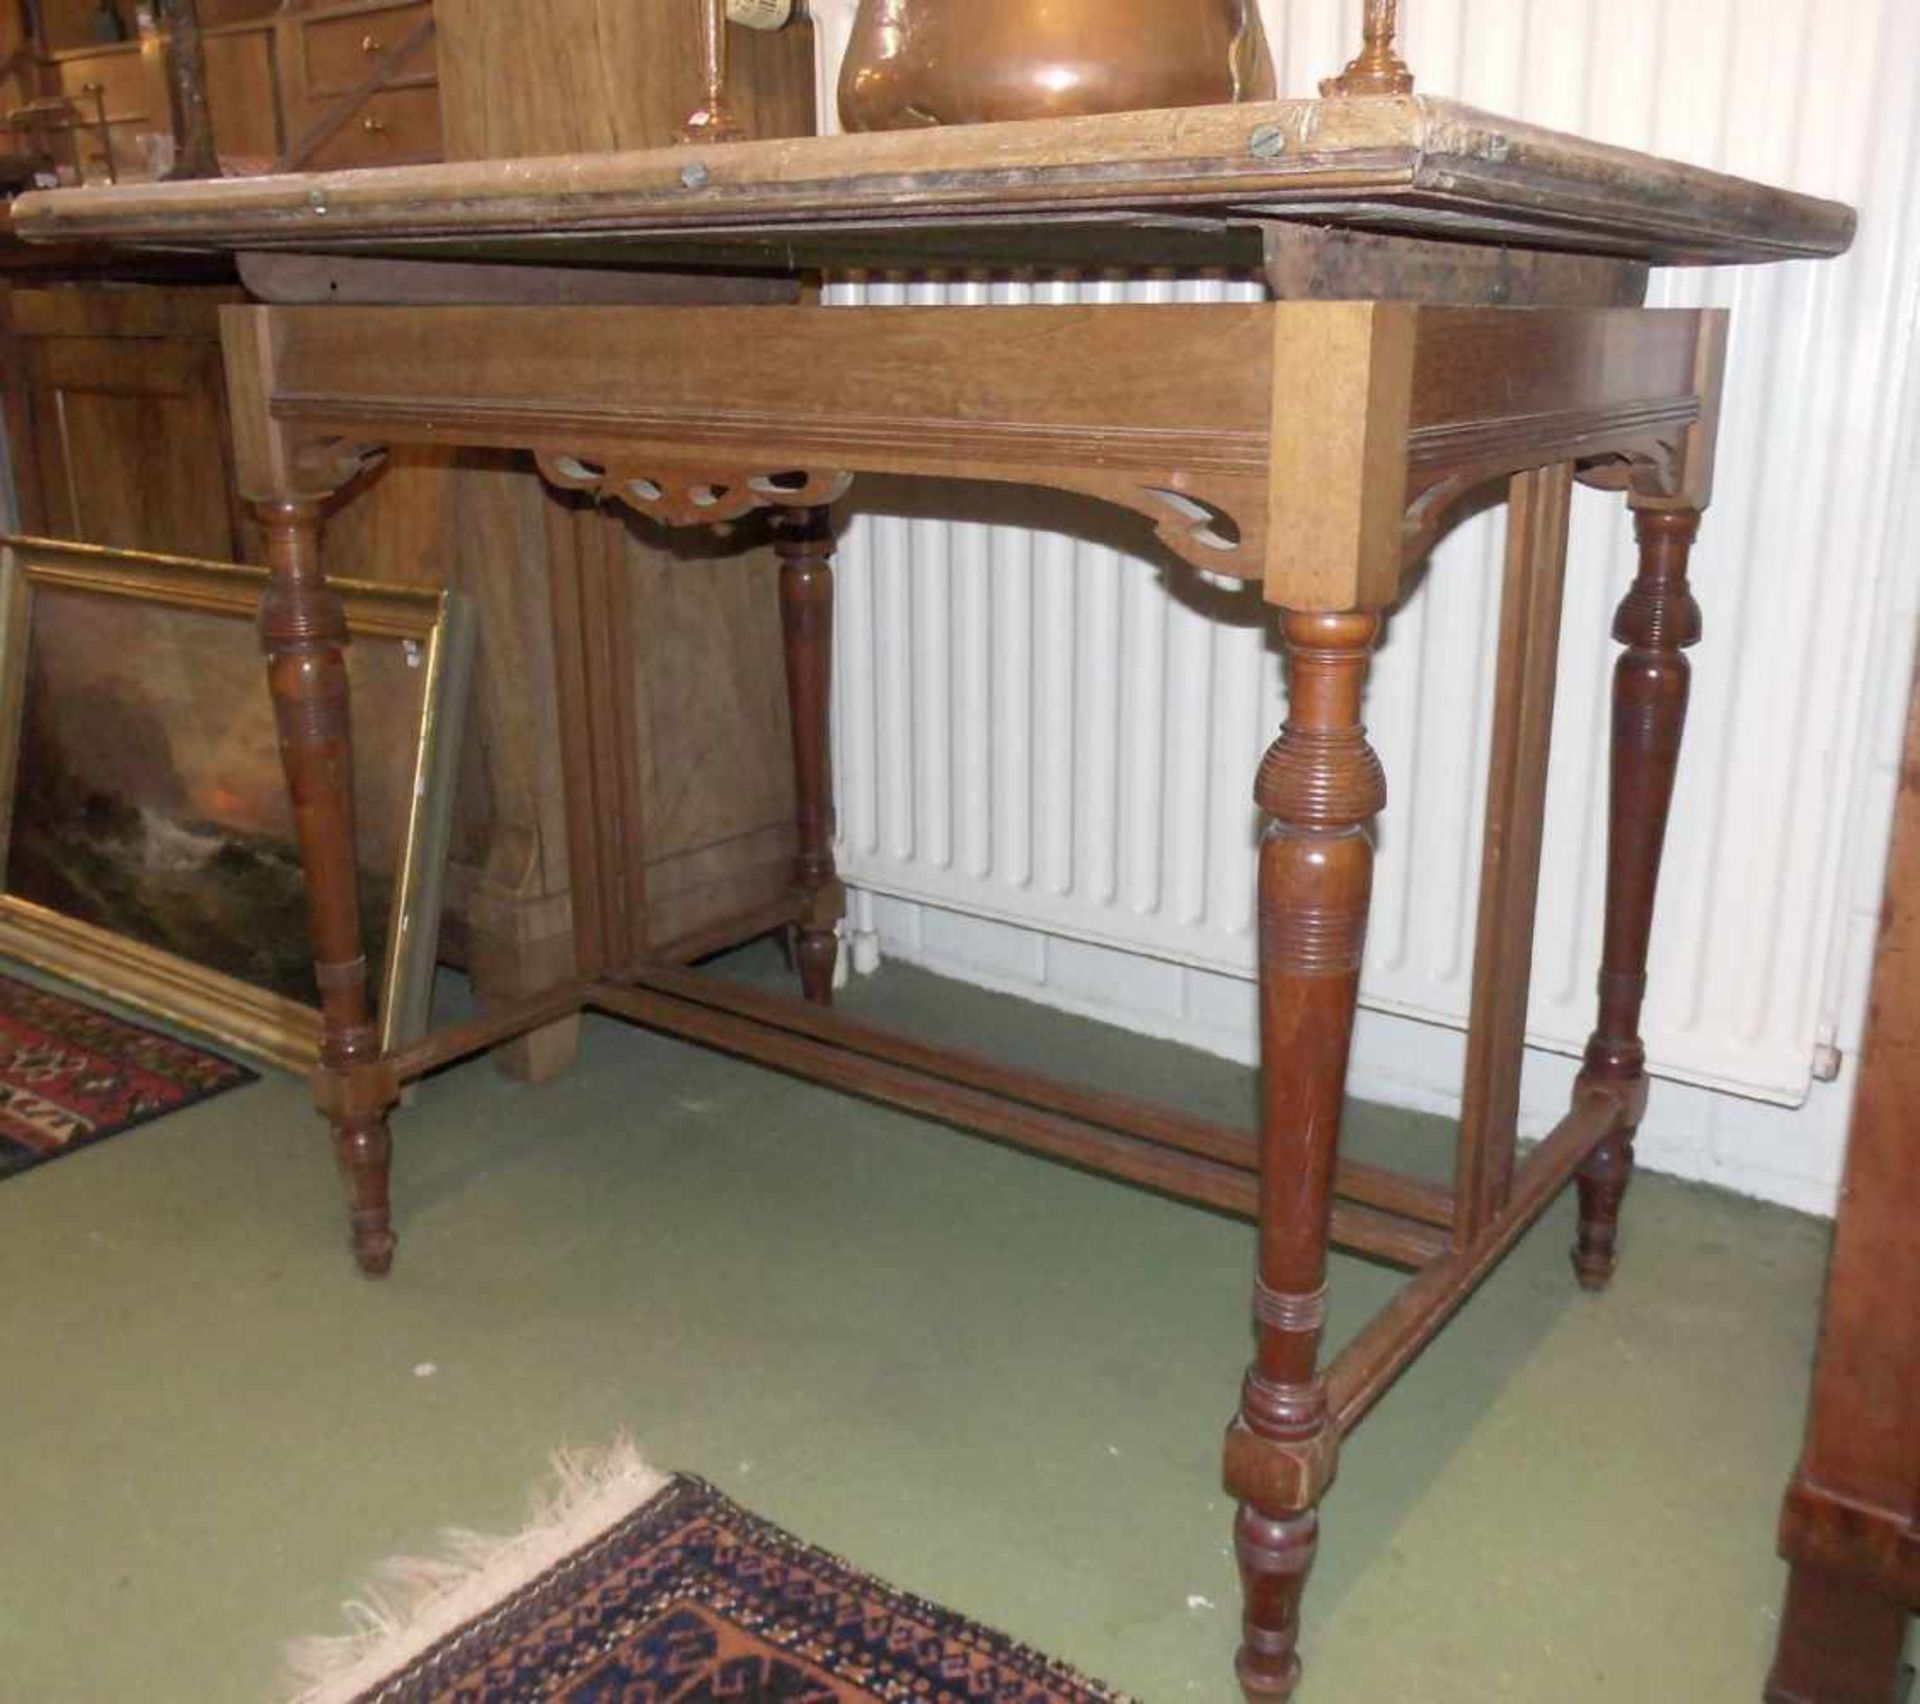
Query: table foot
365 1154
1275 1558
1602 1185
816 953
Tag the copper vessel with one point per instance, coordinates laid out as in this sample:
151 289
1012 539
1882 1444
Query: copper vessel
919 62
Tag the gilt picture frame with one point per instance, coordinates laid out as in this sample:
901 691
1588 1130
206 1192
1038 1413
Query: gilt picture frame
147 850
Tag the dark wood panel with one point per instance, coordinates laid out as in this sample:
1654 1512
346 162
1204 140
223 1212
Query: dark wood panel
120 435
1851 1523
241 98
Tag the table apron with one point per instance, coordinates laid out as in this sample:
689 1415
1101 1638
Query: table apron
1349 430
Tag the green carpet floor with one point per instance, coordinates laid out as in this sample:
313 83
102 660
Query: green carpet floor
990 1379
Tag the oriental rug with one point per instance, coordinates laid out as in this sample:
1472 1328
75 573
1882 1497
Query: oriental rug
72 1075
685 1599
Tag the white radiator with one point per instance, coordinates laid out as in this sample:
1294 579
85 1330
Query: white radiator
1044 721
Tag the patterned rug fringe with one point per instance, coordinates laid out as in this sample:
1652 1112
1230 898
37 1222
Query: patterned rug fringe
417 1600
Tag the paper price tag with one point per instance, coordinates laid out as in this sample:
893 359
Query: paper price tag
760 14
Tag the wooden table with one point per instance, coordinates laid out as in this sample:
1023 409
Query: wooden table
1456 305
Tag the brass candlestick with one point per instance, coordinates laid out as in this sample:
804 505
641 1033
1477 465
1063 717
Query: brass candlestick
713 121
1379 69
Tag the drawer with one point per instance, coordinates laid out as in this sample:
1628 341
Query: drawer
394 127
338 52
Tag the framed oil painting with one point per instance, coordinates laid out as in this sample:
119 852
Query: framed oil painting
147 845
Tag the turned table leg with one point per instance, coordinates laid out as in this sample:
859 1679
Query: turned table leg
1319 787
1657 622
304 630
803 540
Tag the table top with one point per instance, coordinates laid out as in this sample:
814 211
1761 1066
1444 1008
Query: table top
1190 185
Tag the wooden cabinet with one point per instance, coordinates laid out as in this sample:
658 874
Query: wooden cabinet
125 83
349 83
393 82
247 122
671 695
121 75
327 87
121 412
117 412
1850 1526
681 837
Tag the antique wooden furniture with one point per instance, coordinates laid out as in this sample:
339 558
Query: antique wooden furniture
285 84
296 85
1456 304
119 430
666 721
679 834
1851 1524
326 84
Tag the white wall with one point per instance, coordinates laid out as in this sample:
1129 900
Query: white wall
1045 753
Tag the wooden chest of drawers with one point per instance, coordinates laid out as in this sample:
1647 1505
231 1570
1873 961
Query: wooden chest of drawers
328 87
